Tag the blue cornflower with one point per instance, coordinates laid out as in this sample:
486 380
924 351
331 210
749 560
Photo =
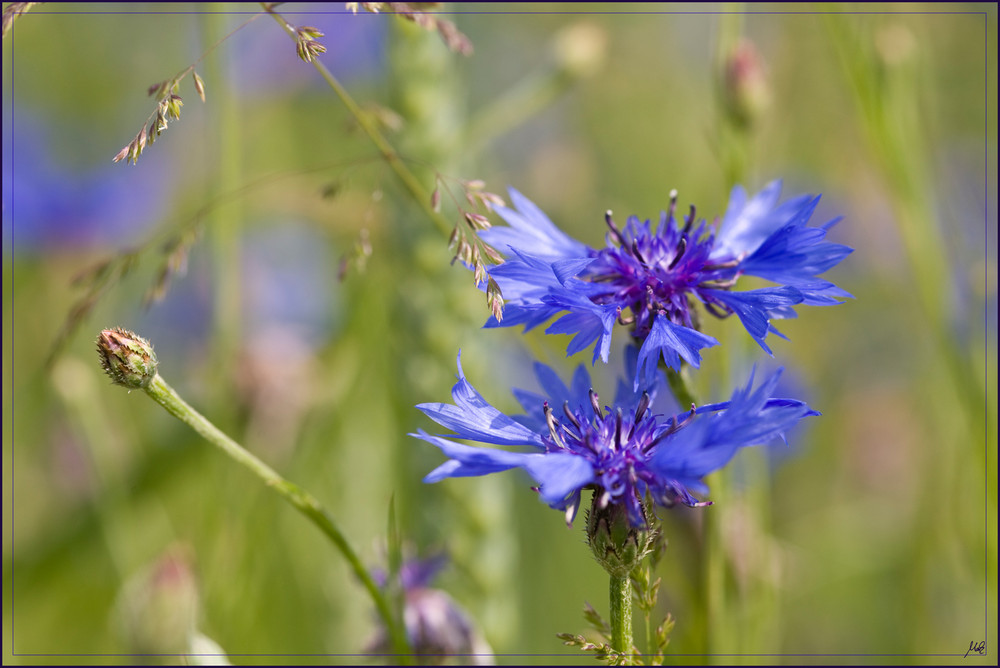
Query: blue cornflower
621 451
435 624
414 573
652 279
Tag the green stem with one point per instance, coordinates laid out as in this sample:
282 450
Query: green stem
885 96
304 502
533 94
224 223
651 648
621 614
407 177
679 388
713 563
734 140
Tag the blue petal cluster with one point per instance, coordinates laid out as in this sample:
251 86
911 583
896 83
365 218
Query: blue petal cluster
414 573
651 279
435 624
621 452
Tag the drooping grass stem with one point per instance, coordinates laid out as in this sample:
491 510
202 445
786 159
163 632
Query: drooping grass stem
304 502
409 180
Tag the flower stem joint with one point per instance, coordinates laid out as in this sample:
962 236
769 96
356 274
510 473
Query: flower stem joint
127 358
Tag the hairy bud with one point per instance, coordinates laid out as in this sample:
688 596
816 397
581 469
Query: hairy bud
128 359
745 84
616 545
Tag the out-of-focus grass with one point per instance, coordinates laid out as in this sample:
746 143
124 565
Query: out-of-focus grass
881 523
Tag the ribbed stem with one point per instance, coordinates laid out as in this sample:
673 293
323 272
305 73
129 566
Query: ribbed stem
304 502
621 614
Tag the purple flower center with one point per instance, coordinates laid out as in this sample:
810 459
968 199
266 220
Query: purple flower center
619 447
651 273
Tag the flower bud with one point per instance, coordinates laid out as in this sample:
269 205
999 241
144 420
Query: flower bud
895 45
157 609
617 546
580 49
745 86
128 359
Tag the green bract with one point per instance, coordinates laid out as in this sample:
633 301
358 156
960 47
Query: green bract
618 547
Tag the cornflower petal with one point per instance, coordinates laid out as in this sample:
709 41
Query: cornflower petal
531 228
559 476
747 224
565 270
621 451
651 279
473 418
819 293
467 460
588 323
556 393
672 342
750 418
526 281
794 254
754 307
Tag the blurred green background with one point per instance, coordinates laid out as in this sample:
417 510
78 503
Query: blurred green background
871 539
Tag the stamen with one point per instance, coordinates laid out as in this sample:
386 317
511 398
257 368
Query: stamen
570 514
690 416
594 399
653 443
673 203
570 434
636 254
618 430
605 499
652 306
614 230
718 285
673 426
587 442
681 247
640 410
688 222
553 424
721 265
631 430
570 416
714 310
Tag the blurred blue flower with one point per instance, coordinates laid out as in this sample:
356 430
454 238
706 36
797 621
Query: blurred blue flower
50 205
413 573
620 452
265 64
651 280
436 626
